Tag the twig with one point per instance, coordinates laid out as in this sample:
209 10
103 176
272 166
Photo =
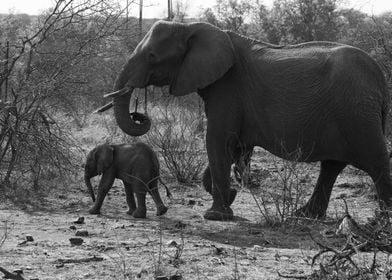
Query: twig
4 236
83 260
9 275
293 276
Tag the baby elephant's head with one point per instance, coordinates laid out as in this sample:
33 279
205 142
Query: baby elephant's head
98 160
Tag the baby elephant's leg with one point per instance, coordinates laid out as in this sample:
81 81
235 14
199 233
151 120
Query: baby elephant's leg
104 186
140 192
161 208
130 198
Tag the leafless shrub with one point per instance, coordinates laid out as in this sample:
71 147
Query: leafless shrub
114 133
44 62
178 138
278 196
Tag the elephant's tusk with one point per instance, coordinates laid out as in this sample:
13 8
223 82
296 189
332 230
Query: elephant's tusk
120 92
104 108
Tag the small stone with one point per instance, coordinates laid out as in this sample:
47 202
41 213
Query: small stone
86 200
29 238
176 277
72 227
217 250
191 202
172 243
76 241
257 248
179 225
141 272
59 265
81 232
79 221
18 271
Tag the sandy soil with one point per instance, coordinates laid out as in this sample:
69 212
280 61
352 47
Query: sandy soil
179 243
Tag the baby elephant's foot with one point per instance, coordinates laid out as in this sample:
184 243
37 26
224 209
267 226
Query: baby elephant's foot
94 211
139 213
162 209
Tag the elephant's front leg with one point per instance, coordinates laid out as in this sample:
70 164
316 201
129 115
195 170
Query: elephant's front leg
207 183
104 186
220 163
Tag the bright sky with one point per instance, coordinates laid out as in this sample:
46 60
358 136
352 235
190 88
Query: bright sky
157 8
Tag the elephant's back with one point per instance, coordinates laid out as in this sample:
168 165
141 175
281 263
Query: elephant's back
317 97
138 158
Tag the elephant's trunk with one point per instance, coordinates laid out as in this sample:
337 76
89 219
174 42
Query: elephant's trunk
87 180
135 124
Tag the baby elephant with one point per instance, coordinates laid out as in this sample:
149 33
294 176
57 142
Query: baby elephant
136 165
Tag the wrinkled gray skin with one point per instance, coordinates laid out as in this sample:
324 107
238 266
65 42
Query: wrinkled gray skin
317 101
136 165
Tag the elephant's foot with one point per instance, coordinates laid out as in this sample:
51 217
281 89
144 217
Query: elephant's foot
219 214
139 213
233 194
307 211
131 210
94 211
161 209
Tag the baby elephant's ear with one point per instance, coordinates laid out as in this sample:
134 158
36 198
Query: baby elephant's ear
104 157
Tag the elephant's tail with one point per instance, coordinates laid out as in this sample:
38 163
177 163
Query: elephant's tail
168 193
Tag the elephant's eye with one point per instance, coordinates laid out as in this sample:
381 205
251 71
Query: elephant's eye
152 57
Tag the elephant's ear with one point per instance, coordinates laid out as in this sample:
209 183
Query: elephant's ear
209 55
104 157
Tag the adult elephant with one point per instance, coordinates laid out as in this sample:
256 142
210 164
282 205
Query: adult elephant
318 101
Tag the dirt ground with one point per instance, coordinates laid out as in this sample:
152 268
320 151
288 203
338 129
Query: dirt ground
180 243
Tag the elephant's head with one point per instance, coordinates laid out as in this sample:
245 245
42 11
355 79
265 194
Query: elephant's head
187 57
98 160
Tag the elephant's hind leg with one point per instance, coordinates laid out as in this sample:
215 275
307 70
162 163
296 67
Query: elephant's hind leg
317 205
373 158
378 169
161 208
130 198
141 210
